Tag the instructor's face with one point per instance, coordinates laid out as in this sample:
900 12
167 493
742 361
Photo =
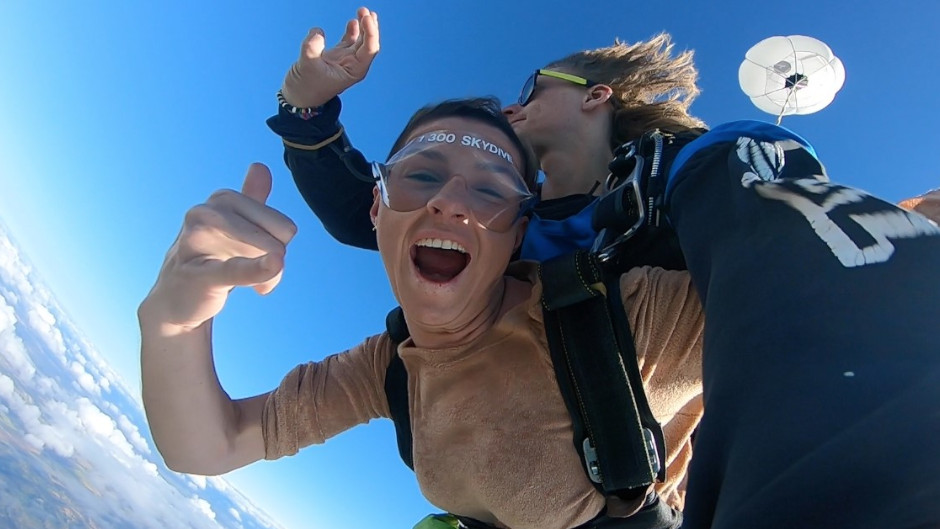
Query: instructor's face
550 108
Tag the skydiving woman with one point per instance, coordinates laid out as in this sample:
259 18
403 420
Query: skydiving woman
448 216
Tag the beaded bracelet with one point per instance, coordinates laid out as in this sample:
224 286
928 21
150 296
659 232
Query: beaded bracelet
302 113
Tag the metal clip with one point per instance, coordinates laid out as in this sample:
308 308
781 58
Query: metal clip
627 198
591 461
624 152
652 452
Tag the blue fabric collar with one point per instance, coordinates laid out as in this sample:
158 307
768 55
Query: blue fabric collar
545 239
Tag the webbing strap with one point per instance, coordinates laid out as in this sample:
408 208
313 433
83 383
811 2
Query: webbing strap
396 387
619 438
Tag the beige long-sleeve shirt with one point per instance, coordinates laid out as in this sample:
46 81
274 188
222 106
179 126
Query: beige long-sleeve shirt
492 435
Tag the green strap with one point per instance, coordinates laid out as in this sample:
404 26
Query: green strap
437 521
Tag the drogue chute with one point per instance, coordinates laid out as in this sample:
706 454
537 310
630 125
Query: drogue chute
791 75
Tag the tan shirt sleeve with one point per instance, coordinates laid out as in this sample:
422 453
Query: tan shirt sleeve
318 400
667 321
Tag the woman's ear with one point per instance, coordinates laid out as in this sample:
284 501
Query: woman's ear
374 210
597 96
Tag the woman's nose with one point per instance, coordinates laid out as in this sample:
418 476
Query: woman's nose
452 200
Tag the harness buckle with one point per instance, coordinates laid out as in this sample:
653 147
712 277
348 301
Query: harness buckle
621 210
591 461
652 452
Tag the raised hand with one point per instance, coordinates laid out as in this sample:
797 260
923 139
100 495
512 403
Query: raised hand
317 75
232 240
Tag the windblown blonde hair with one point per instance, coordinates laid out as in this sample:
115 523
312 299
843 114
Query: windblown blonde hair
652 89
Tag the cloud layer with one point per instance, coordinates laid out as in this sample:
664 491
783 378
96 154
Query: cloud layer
70 427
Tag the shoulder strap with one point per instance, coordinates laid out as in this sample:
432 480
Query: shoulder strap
596 367
396 387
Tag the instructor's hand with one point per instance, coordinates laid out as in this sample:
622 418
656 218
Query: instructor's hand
319 75
232 240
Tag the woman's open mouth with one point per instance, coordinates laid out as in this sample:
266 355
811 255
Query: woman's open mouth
439 260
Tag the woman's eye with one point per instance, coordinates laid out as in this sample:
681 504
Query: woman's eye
491 193
422 178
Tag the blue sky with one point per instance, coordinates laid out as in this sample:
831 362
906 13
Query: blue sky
115 117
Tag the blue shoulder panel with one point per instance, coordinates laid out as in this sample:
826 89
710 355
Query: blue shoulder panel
731 131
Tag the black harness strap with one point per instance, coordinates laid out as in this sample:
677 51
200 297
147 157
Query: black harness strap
597 371
396 387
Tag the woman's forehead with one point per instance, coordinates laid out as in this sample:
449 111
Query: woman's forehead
459 123
463 136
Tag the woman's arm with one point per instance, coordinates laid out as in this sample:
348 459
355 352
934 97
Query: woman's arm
233 239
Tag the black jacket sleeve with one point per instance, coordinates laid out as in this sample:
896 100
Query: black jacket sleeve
334 179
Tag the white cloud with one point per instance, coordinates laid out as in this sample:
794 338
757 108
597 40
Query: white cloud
38 433
84 379
13 271
76 412
10 295
41 320
28 413
12 350
95 421
101 424
46 385
7 315
150 469
133 434
204 507
198 481
54 440
34 441
43 295
97 366
6 386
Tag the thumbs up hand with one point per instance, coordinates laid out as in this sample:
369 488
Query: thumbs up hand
231 240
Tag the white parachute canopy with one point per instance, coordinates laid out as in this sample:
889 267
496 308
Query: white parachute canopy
791 75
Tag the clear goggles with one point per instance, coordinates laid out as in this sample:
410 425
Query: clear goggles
468 167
